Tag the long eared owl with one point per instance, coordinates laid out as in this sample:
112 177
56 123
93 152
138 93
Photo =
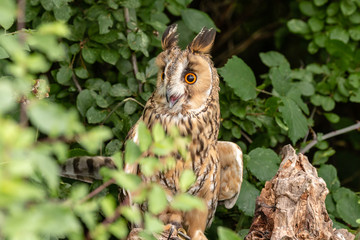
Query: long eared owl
187 96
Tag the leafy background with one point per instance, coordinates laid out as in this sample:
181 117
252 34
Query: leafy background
290 73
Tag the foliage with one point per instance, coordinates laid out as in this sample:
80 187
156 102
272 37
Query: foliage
78 74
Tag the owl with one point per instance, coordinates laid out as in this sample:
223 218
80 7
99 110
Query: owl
186 97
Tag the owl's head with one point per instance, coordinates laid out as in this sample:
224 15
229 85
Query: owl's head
187 79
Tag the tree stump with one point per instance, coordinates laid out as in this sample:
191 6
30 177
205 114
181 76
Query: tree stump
292 204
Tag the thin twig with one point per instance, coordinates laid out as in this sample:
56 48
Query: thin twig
97 190
119 105
21 20
263 91
21 25
133 55
329 135
311 117
246 136
76 82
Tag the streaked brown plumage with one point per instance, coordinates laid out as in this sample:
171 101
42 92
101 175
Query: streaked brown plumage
186 96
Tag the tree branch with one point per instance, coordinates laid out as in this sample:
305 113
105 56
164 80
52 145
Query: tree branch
97 190
329 135
133 55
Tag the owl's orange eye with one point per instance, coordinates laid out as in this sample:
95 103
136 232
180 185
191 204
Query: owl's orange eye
190 78
163 76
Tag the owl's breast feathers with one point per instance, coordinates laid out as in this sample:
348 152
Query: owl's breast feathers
203 128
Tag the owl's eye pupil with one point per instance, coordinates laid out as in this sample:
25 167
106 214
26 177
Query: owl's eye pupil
190 78
163 76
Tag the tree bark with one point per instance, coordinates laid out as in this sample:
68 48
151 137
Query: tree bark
292 204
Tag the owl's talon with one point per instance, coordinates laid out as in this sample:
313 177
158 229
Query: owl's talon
182 234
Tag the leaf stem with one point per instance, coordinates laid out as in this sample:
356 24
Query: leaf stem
119 105
97 190
263 91
329 135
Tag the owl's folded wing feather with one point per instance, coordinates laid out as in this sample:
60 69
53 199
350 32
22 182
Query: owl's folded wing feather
86 168
231 161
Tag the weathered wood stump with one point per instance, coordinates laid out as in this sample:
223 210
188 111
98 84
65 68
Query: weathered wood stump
292 204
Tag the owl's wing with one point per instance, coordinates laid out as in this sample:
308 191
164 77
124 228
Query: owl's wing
87 168
231 161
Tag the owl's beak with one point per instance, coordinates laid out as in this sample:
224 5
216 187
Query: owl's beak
172 99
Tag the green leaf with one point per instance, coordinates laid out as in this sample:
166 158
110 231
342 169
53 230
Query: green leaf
119 90
54 119
93 139
89 55
153 224
138 42
105 22
347 206
84 101
329 174
355 33
132 214
263 163
64 74
132 152
158 132
319 3
81 72
129 182
347 7
315 24
298 26
247 198
63 13
144 136
239 76
186 202
187 178
294 119
110 56
227 234
280 78
113 147
7 98
195 20
130 3
321 157
3 53
332 117
332 9
7 13
94 115
130 107
339 33
108 205
157 199
273 59
307 8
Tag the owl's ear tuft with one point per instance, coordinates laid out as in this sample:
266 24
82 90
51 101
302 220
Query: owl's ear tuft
203 42
170 37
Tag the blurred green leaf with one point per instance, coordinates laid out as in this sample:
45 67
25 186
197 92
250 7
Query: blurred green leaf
186 202
157 199
7 97
298 26
7 13
132 152
225 234
94 138
187 178
144 136
273 59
